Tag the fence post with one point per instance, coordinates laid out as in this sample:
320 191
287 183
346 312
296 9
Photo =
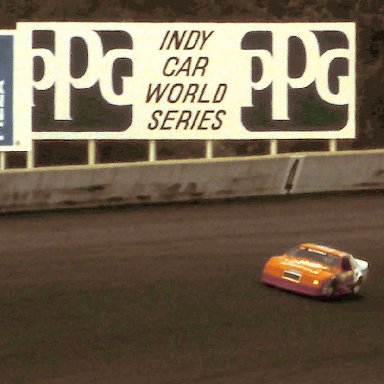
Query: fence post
2 161
208 149
273 147
332 145
31 156
91 152
152 155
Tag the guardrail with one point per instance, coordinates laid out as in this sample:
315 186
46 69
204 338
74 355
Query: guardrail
183 180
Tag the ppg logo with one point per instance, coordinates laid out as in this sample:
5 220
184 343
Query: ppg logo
301 80
80 80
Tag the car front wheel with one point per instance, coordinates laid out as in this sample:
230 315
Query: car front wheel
356 287
329 289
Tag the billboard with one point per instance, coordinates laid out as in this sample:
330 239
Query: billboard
14 134
164 81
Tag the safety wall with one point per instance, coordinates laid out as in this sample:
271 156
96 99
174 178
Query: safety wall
348 171
168 181
141 183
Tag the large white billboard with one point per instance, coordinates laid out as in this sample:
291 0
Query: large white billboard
158 81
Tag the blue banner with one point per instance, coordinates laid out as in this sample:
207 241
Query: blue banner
6 90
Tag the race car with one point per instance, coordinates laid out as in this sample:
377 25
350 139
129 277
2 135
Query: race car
316 270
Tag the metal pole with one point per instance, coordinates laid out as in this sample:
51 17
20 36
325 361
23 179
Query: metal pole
273 147
209 149
2 161
332 145
91 152
31 156
152 155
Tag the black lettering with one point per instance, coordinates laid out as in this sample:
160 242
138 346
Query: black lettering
189 67
168 118
190 41
202 63
158 91
164 40
219 121
176 95
187 120
184 118
204 118
201 97
191 92
186 66
220 93
172 72
176 40
205 38
155 119
195 119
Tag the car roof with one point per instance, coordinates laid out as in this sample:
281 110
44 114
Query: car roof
325 249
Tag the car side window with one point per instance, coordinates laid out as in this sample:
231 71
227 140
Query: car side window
346 264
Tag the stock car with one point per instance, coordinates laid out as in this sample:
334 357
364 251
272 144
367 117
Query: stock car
316 270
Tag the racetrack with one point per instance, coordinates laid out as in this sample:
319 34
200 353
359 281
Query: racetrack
171 294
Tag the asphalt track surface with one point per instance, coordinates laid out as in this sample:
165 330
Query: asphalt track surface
171 294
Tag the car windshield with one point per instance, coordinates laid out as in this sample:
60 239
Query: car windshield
315 255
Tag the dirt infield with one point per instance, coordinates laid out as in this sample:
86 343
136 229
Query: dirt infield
171 294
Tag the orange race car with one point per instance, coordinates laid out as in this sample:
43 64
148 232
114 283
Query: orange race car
316 270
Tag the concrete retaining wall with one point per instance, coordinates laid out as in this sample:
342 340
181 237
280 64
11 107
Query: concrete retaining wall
138 183
349 171
60 187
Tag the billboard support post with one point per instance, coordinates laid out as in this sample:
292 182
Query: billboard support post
332 145
31 157
273 147
209 149
2 160
91 152
152 155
